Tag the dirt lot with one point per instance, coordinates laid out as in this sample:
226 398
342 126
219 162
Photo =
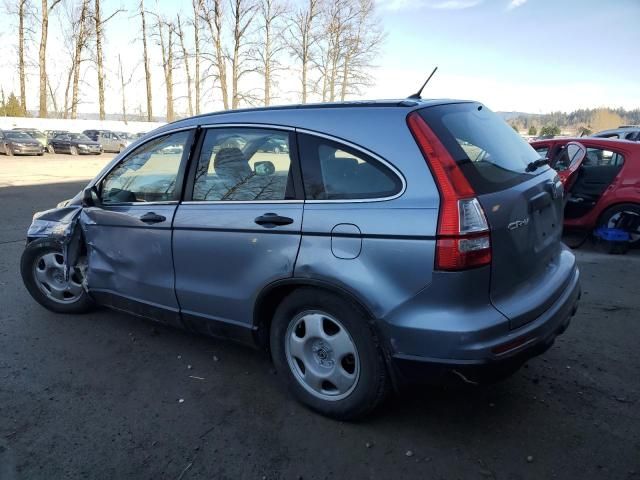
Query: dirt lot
98 396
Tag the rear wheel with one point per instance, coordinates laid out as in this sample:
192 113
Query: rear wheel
51 150
73 150
42 268
324 348
612 217
7 150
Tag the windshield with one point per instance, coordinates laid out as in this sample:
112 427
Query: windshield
18 136
490 153
79 136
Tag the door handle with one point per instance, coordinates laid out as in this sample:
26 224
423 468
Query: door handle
270 220
152 217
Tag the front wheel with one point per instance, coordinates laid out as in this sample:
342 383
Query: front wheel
42 268
73 150
325 349
8 151
51 150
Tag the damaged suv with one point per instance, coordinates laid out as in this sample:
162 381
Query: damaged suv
385 242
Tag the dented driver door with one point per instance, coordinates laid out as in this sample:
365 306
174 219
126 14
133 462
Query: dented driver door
128 232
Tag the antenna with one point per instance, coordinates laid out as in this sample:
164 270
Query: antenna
419 92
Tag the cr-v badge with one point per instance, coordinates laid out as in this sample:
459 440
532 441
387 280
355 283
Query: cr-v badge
518 224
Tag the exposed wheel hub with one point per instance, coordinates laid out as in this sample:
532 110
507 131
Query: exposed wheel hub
323 353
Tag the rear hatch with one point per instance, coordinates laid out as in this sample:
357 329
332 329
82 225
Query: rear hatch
523 206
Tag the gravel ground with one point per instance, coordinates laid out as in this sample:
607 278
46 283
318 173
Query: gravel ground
110 396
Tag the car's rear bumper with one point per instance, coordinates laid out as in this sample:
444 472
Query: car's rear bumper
497 357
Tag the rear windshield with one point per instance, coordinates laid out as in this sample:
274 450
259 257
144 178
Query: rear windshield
488 151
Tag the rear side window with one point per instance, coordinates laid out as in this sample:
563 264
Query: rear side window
489 152
333 171
598 157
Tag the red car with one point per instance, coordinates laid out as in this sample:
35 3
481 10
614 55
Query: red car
602 178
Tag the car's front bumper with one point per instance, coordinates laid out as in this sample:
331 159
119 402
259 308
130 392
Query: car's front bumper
27 150
90 149
498 355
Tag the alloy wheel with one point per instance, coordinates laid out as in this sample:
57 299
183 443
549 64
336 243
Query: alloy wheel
322 355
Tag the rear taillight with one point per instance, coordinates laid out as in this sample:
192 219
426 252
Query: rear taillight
463 237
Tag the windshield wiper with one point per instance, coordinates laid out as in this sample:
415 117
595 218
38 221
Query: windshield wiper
537 164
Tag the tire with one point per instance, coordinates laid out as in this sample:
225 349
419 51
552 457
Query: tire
608 218
32 261
363 374
73 150
8 151
51 150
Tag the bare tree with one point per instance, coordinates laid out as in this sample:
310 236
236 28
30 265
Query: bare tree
362 46
80 44
197 11
147 68
76 31
212 14
271 15
99 24
166 41
242 15
42 54
185 59
301 39
123 85
23 6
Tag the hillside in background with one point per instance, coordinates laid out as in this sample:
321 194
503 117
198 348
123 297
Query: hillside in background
591 119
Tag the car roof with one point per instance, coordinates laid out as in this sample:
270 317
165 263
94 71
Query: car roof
283 112
593 140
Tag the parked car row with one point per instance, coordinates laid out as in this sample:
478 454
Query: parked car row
31 141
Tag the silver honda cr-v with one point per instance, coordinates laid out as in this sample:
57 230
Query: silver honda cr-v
364 245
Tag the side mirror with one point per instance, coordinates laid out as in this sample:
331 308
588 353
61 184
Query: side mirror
90 197
264 168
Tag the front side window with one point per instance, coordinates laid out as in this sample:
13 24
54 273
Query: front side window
244 164
332 171
148 174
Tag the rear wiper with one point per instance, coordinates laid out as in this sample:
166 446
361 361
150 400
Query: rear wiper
537 164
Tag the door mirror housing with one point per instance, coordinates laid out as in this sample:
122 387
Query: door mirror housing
90 197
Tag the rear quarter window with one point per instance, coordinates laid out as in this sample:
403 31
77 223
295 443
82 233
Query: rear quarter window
489 152
334 171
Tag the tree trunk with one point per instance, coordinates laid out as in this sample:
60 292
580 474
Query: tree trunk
65 113
21 69
215 30
77 58
42 58
99 61
147 69
185 58
197 6
122 86
167 65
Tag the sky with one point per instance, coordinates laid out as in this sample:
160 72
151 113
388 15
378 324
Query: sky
531 56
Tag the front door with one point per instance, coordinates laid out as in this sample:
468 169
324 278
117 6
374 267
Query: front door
239 229
128 235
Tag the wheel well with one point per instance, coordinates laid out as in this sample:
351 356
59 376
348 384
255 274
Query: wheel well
272 296
611 207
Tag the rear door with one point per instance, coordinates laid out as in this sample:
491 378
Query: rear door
524 207
130 262
239 227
